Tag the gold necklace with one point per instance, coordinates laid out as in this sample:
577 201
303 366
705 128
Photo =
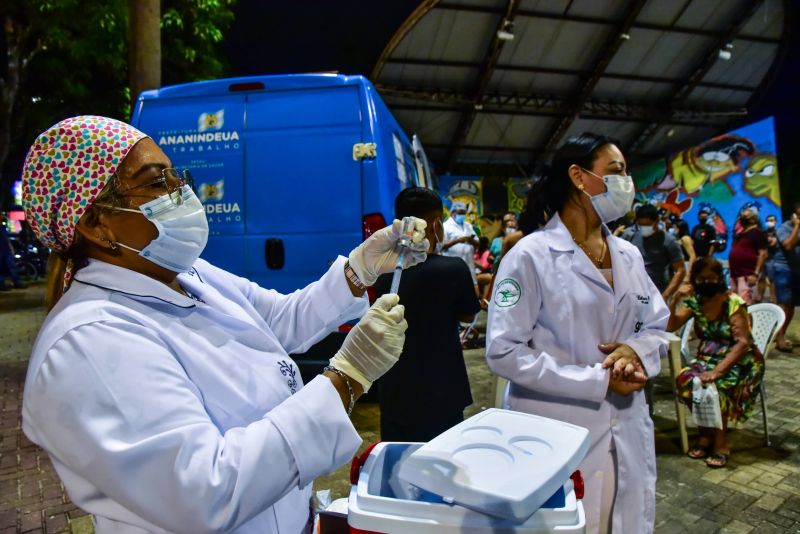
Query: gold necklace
598 261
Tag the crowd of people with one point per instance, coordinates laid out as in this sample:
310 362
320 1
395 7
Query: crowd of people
207 426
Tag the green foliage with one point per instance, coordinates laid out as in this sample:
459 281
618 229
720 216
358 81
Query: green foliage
75 55
191 35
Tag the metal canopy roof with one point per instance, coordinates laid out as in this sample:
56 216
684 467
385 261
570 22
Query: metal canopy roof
648 72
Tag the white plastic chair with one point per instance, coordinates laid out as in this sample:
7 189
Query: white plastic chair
767 319
688 328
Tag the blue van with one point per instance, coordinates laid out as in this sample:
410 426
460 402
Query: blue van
293 170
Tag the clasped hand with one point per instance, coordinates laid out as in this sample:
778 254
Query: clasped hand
627 372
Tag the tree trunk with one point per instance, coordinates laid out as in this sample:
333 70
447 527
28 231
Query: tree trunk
9 85
145 46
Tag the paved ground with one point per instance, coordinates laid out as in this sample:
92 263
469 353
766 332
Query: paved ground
758 492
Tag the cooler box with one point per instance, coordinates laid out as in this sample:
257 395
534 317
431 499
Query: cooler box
499 471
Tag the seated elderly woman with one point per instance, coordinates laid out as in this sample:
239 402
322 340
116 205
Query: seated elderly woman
726 355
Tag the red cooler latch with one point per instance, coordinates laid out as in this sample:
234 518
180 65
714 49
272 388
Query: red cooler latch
358 463
577 483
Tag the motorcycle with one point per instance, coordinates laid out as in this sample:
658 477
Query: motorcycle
30 259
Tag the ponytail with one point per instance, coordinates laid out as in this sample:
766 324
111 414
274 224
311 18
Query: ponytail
56 268
61 268
550 192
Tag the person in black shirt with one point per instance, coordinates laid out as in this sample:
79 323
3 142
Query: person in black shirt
704 235
437 294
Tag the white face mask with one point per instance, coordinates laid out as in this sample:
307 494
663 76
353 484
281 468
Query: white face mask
510 229
182 231
646 231
617 200
770 224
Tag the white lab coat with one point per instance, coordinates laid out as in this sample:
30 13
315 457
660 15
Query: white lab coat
465 251
165 414
546 345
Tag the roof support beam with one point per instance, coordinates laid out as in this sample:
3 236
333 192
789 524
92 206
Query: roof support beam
484 76
780 57
567 72
598 20
607 52
703 67
520 150
542 105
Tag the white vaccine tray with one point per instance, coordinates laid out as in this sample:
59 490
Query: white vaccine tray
382 503
498 462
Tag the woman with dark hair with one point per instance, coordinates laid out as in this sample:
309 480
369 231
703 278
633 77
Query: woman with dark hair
726 355
577 326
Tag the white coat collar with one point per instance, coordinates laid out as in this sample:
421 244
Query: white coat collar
560 240
131 283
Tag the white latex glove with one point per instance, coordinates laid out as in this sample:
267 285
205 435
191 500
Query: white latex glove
374 345
378 254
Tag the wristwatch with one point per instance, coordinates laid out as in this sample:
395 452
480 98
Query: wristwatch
353 277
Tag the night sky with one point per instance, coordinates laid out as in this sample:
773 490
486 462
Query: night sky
282 37
274 37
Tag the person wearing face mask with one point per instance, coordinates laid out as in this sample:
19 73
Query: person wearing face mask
161 386
437 294
776 259
787 272
661 251
509 226
747 257
677 228
726 356
460 240
704 236
577 326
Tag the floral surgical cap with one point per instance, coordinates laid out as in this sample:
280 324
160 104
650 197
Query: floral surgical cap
65 170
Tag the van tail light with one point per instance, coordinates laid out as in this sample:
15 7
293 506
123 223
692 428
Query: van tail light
246 86
372 223
577 484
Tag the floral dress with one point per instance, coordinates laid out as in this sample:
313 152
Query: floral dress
739 387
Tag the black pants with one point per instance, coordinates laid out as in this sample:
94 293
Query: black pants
422 426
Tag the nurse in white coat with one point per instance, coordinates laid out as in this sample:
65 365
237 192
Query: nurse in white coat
160 385
576 326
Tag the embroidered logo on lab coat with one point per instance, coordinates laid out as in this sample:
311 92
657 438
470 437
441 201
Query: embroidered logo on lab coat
507 293
287 370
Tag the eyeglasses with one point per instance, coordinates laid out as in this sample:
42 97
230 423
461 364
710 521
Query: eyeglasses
170 182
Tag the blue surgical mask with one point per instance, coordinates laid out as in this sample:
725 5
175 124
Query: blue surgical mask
459 218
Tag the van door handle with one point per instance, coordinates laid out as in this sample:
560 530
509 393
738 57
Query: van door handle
274 255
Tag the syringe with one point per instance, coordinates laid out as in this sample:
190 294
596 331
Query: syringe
404 243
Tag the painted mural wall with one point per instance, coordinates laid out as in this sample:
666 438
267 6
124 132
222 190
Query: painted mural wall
725 174
485 207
